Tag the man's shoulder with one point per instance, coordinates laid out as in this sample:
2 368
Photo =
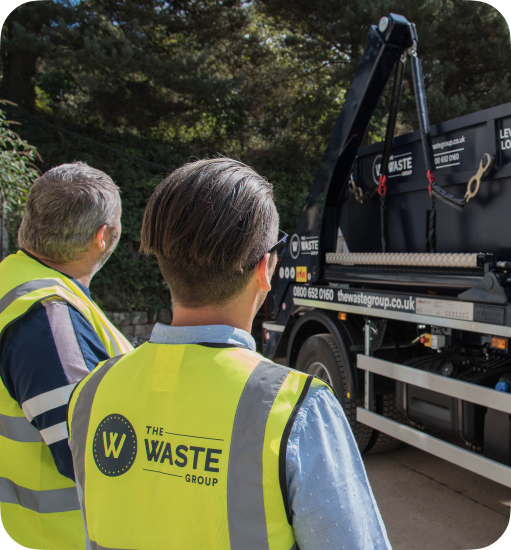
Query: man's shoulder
39 321
33 319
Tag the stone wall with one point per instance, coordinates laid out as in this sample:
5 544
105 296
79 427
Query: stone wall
137 326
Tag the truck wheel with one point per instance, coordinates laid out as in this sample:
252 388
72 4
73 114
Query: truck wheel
380 442
320 356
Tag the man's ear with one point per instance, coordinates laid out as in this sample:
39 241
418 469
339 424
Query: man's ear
99 238
265 269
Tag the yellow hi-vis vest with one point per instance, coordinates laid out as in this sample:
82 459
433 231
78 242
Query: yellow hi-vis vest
184 447
39 506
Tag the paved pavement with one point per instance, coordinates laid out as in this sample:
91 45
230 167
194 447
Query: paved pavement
430 504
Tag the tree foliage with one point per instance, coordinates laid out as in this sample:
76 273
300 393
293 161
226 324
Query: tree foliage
259 80
464 47
17 166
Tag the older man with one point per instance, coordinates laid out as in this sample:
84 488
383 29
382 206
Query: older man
52 335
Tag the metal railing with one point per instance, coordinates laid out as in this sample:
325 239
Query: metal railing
446 386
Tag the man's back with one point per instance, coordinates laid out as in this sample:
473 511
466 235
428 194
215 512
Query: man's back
226 446
275 440
195 462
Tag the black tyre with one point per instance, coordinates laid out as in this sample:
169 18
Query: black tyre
320 356
380 442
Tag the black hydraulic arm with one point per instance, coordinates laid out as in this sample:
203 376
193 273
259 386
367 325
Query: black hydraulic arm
427 147
422 110
387 148
393 112
316 231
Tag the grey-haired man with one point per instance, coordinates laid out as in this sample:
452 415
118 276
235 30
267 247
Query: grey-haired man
51 336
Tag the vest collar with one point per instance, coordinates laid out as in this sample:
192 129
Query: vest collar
82 287
212 334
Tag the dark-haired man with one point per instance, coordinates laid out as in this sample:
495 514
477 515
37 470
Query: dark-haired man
194 440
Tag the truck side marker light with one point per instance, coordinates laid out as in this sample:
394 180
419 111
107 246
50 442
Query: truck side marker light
426 340
342 316
499 343
348 395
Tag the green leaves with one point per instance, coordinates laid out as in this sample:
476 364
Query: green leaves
260 80
17 166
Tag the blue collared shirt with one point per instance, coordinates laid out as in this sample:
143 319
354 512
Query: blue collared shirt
331 502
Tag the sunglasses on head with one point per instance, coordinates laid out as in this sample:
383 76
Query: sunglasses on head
277 247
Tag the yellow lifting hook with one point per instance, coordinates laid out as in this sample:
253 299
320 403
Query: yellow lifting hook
475 181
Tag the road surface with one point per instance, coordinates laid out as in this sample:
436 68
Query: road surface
430 504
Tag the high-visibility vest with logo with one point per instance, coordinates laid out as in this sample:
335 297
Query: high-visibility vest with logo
184 446
39 506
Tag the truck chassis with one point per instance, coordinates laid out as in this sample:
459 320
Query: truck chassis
418 311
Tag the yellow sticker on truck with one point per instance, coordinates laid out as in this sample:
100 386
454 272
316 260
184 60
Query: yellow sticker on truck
301 274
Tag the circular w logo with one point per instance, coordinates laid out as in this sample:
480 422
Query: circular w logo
114 445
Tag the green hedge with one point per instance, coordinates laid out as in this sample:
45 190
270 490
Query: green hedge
130 281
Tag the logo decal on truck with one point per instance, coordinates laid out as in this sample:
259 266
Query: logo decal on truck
294 246
366 299
303 245
399 165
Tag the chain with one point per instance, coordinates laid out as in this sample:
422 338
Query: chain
360 196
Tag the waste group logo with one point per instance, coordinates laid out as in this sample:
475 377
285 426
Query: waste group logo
399 165
114 445
294 246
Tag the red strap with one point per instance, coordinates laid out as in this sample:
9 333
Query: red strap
382 187
431 179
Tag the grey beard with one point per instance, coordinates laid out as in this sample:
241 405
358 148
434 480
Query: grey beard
112 245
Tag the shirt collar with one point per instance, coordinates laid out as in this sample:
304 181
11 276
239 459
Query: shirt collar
211 334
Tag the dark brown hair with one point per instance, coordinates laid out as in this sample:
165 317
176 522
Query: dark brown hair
206 223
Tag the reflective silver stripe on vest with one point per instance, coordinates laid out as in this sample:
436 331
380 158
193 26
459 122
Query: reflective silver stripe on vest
25 288
18 428
80 424
245 500
47 401
43 502
38 284
117 351
96 546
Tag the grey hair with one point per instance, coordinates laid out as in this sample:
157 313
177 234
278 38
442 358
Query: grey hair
66 207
